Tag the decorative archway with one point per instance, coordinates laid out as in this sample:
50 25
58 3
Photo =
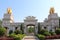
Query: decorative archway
30 29
30 21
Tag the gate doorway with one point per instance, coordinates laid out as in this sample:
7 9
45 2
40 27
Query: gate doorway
30 29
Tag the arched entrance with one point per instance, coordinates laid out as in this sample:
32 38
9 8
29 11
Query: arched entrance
30 29
30 22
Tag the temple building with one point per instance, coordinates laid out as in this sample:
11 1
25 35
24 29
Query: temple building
51 23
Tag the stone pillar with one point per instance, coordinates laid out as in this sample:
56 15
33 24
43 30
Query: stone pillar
36 28
53 30
25 29
13 28
7 31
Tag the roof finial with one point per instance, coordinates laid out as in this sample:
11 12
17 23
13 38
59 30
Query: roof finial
9 10
52 10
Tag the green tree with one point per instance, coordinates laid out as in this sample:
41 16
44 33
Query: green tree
2 31
39 28
31 30
21 28
0 23
59 22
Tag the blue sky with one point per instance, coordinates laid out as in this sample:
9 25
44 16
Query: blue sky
24 8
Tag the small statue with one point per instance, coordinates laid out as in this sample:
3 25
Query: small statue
9 11
52 10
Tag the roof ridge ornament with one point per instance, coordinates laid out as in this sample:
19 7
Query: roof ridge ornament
9 10
52 10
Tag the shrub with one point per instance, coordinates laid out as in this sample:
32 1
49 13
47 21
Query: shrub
21 35
10 32
2 31
42 31
17 37
18 32
41 37
57 31
52 33
12 35
47 34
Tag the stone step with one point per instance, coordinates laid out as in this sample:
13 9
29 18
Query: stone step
30 38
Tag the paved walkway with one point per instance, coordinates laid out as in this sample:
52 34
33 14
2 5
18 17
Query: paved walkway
52 39
30 38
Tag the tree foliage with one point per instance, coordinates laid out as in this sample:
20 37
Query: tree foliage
31 30
39 28
59 22
21 28
0 23
2 31
11 31
44 32
57 31
41 37
52 33
18 32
